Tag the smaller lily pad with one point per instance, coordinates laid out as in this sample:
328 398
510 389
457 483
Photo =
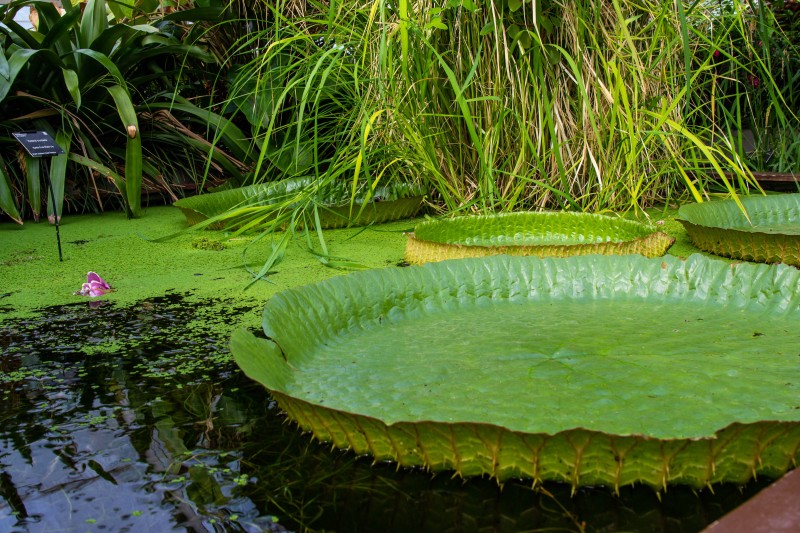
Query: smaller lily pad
546 234
767 231
389 202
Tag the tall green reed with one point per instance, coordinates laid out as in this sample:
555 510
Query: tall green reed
497 104
571 105
510 104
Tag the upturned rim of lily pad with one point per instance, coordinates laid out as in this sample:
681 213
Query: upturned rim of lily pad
764 229
674 414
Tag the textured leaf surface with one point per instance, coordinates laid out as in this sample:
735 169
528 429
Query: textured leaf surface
393 204
585 369
771 235
554 234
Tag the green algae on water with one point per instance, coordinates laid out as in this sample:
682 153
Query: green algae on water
117 248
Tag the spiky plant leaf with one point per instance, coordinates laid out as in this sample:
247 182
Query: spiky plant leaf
547 234
767 231
588 370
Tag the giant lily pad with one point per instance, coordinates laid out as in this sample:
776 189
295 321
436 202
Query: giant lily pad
547 234
771 235
389 202
586 370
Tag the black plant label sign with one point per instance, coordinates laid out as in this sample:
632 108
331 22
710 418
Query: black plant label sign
38 143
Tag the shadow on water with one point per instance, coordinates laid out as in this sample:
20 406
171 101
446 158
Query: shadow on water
136 419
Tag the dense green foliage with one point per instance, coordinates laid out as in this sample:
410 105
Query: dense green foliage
492 104
85 76
506 105
753 77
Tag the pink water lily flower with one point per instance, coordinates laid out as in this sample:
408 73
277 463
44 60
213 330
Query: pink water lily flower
94 286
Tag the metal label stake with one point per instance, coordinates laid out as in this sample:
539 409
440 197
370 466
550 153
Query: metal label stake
40 144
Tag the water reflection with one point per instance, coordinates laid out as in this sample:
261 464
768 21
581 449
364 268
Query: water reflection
135 419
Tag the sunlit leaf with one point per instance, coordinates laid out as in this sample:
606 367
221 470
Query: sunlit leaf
93 22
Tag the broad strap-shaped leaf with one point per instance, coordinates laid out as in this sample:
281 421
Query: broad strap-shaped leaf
121 10
101 58
20 36
19 59
208 13
143 42
73 85
93 23
48 17
59 35
7 203
139 56
117 37
133 151
225 130
5 72
33 176
585 370
58 174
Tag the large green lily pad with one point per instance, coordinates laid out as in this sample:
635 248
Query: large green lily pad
544 234
587 370
390 202
771 235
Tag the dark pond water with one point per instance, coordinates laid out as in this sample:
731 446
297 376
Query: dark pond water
136 419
